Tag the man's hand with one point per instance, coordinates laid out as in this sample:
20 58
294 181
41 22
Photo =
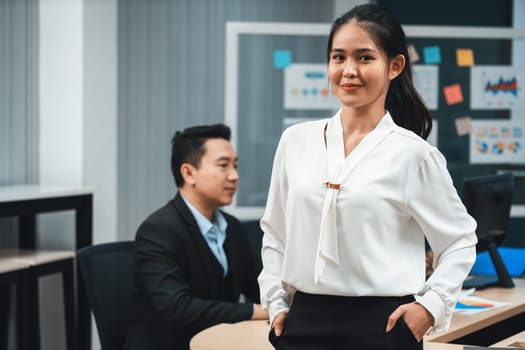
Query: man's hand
259 313
417 318
278 323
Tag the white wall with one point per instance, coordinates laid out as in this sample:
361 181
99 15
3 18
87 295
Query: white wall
61 92
78 138
342 6
100 114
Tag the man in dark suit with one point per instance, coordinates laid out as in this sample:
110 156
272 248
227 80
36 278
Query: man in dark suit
192 261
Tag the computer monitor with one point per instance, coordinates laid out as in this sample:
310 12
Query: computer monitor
488 200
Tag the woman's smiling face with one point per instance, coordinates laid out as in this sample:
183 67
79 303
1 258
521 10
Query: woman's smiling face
358 69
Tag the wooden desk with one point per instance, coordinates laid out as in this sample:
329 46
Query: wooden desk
25 202
441 346
463 325
254 334
251 335
520 337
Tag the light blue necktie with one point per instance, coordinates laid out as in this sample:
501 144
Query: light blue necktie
217 249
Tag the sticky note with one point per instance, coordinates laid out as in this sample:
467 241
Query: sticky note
412 54
282 58
463 125
432 54
465 57
453 94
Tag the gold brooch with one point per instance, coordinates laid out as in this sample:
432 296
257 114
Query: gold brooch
333 186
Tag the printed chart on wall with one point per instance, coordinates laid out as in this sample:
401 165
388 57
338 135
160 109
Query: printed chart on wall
306 87
497 141
426 81
497 87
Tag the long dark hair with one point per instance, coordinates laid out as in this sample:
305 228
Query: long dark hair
402 101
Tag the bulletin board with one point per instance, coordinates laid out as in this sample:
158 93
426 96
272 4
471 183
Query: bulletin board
276 76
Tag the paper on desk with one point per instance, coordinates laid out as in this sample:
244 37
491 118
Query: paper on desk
469 304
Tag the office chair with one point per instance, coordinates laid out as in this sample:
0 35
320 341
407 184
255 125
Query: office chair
107 270
254 234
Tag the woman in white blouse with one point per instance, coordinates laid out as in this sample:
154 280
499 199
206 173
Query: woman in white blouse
351 201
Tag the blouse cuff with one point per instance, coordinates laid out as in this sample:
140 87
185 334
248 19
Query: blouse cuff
432 301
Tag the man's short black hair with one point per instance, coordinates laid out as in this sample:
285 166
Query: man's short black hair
187 146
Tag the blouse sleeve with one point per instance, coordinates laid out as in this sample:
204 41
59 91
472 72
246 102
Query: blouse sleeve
435 205
274 297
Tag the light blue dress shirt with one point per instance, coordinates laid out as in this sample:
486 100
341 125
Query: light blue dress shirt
214 233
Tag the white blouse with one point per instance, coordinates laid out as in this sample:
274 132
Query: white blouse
368 237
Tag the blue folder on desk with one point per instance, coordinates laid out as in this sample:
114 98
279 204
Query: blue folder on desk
514 259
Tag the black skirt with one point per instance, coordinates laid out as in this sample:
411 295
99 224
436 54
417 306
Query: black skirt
326 322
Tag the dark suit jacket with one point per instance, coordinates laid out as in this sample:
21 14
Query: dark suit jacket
178 281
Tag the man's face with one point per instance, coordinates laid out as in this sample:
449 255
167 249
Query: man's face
215 181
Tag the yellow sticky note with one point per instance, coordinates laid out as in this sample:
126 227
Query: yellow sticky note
453 94
465 57
463 125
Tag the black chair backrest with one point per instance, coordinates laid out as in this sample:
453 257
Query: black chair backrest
254 234
107 271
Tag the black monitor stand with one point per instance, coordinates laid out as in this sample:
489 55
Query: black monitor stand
503 278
